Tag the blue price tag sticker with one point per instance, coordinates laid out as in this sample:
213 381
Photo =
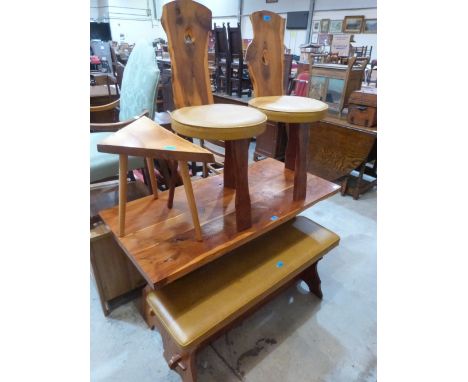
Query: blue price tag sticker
273 218
266 18
170 147
279 264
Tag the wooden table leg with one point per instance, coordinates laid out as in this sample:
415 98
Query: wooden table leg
152 176
300 168
183 167
240 158
228 172
291 148
123 166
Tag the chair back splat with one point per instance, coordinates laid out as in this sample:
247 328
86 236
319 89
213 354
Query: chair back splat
266 70
187 25
139 82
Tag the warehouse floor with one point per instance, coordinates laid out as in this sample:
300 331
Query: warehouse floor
296 337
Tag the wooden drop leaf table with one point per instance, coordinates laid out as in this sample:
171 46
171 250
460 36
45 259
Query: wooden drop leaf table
160 241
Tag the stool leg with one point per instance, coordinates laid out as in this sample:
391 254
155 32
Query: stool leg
300 170
291 148
183 167
228 172
240 157
154 183
123 165
170 199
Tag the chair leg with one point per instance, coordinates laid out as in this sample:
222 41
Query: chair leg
152 176
123 166
205 170
240 155
183 168
291 147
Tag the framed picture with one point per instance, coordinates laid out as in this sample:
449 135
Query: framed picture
315 26
324 25
324 39
314 38
370 26
336 26
353 24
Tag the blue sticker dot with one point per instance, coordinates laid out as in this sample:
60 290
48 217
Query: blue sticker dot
274 217
279 264
170 147
266 18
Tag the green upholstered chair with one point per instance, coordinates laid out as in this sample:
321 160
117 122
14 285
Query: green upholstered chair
137 98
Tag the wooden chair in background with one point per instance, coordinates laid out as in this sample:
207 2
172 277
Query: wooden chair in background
222 68
238 77
142 76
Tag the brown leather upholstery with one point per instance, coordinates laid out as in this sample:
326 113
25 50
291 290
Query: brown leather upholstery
199 304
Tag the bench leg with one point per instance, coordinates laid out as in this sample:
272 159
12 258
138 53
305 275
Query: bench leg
146 311
312 279
182 361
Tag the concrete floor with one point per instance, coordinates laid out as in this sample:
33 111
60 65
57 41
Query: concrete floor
296 337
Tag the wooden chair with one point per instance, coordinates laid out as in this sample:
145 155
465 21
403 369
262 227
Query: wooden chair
238 77
222 61
265 58
136 100
187 25
234 287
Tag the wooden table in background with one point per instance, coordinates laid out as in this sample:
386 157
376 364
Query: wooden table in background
336 147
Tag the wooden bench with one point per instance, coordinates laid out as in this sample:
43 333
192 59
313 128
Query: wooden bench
202 305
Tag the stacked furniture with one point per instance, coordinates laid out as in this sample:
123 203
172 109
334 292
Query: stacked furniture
221 58
252 245
238 76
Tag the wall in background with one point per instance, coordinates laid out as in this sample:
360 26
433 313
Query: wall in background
135 24
361 38
292 38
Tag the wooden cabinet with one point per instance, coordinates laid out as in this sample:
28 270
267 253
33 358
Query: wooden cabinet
334 83
115 275
272 143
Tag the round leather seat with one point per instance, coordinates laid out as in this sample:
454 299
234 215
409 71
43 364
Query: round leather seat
219 121
290 109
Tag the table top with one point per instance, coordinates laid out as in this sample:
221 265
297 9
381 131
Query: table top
161 241
146 138
290 109
218 121
342 122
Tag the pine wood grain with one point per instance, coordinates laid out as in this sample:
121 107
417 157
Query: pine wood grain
161 241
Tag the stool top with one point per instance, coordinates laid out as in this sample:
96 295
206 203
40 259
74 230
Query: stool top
290 109
218 121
